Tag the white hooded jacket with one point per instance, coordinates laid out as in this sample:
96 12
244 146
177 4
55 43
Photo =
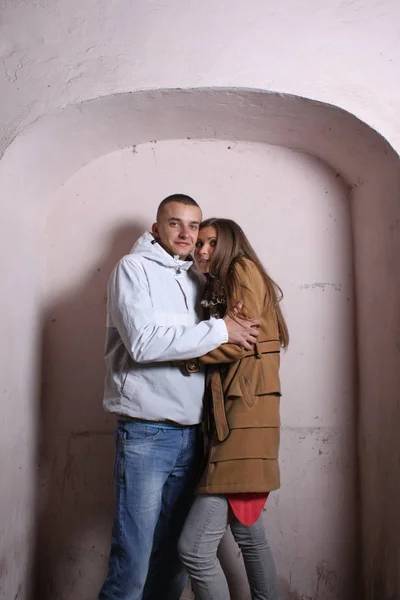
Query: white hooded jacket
153 318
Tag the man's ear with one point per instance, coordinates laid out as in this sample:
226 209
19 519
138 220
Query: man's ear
154 230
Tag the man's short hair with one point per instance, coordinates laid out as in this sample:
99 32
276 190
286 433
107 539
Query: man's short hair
181 198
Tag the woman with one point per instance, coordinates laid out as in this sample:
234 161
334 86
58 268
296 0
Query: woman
241 418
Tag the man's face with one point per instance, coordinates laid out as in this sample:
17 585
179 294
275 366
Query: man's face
178 228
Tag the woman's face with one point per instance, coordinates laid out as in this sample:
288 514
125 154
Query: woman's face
205 247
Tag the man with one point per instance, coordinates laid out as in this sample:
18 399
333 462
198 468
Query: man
155 388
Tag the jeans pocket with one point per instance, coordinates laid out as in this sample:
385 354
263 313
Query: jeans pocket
133 433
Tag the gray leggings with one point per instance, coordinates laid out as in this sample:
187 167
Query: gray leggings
205 526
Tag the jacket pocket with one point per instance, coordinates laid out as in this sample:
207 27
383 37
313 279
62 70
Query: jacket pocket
129 385
123 383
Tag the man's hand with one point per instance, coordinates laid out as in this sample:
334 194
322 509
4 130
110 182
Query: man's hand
243 332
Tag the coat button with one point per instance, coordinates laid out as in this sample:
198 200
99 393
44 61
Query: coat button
192 366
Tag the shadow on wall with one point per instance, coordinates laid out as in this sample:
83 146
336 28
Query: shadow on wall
76 447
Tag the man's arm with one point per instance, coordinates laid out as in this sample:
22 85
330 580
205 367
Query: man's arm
130 311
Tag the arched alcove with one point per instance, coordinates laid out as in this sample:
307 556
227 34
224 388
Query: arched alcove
52 150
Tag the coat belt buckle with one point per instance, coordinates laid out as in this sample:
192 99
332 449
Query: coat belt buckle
192 365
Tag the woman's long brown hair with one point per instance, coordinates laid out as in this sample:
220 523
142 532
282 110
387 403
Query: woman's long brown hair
232 247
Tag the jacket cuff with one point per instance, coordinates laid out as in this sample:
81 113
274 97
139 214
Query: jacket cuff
220 327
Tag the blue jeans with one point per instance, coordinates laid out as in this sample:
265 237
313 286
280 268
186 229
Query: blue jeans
156 470
207 522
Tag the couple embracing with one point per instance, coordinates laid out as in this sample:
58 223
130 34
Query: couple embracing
192 354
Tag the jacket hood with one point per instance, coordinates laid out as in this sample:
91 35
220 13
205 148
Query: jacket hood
148 247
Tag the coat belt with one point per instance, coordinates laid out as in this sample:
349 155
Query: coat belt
217 390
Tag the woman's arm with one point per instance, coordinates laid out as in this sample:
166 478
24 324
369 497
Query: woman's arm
251 292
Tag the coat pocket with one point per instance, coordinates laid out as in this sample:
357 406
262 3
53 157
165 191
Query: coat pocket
263 413
266 375
247 394
247 444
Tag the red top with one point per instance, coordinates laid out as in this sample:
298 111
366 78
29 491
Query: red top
247 507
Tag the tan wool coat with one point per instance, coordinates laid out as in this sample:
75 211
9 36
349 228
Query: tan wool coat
243 406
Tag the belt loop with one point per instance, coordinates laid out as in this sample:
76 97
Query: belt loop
258 353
